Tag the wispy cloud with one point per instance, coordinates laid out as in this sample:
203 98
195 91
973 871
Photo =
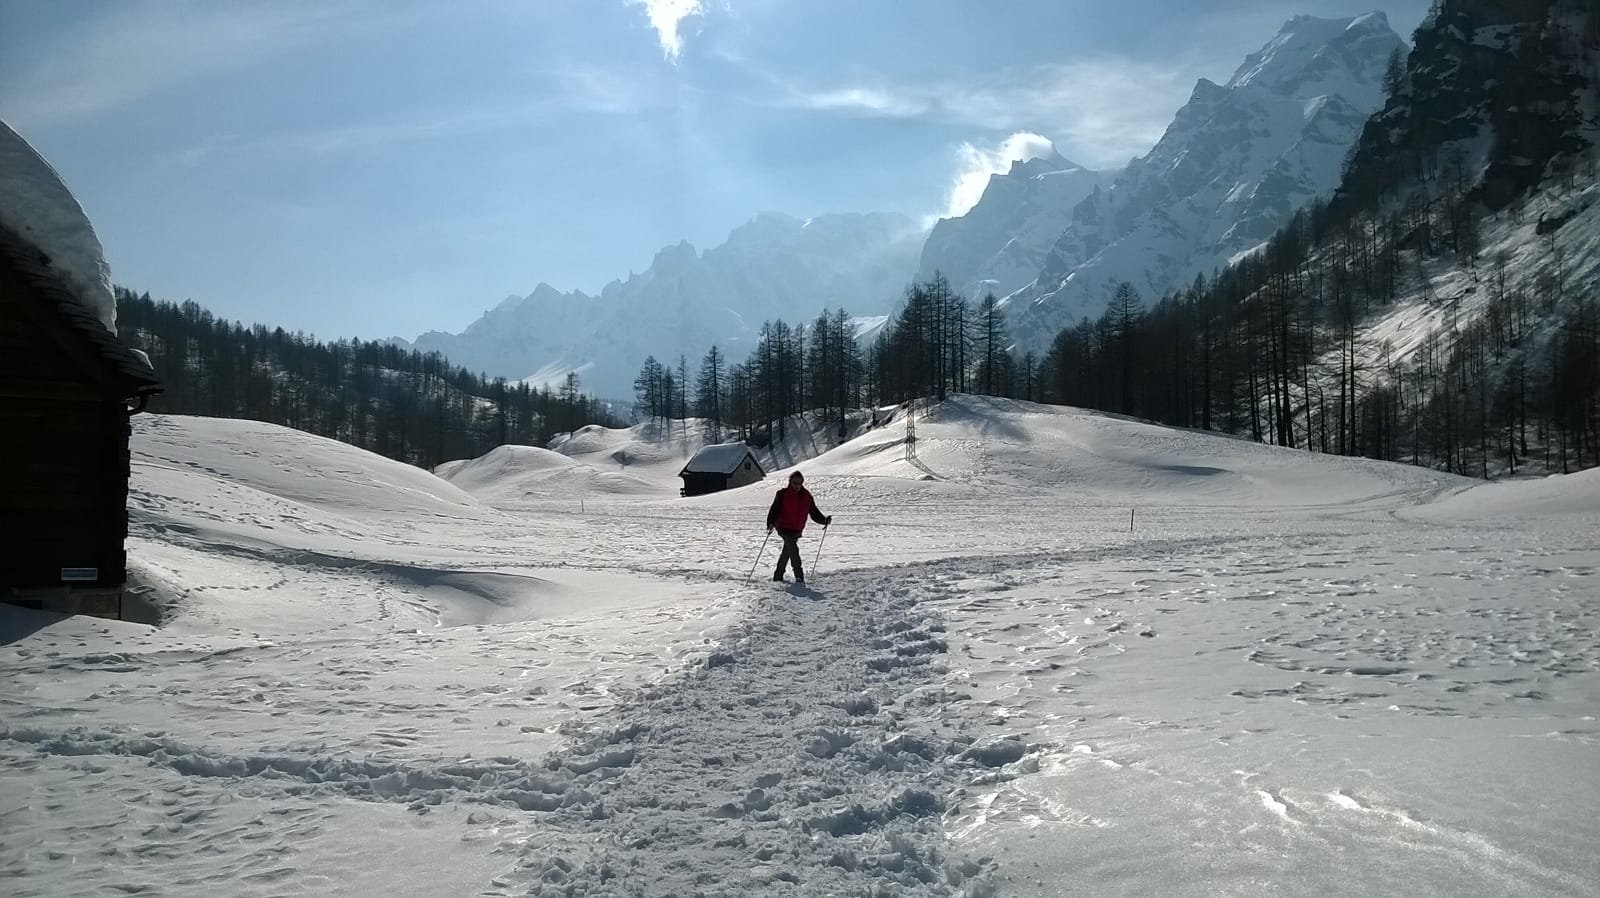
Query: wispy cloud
138 49
666 16
366 136
979 163
584 88
606 90
868 100
1100 112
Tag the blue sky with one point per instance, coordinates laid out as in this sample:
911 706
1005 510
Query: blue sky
378 167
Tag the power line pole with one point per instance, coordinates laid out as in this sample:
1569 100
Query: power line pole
911 430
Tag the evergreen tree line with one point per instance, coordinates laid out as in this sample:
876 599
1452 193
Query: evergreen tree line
1273 348
407 405
793 369
938 343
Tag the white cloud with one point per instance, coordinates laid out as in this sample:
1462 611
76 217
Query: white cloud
867 100
977 165
1100 112
665 17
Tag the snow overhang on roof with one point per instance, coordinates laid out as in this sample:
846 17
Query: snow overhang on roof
723 458
37 207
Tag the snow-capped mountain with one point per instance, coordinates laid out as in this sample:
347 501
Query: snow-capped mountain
1002 242
1231 169
774 266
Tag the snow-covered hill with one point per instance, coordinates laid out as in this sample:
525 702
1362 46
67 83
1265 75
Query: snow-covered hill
775 266
1000 244
603 463
1234 165
1292 671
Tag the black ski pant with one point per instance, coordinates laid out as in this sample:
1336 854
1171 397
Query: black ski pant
791 553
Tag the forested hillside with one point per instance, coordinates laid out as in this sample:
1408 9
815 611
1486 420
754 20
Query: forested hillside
1439 310
407 405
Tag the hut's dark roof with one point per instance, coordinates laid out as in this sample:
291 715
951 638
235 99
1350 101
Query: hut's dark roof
125 366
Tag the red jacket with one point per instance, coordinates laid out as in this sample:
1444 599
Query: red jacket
791 507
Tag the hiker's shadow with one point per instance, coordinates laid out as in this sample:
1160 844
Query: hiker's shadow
802 591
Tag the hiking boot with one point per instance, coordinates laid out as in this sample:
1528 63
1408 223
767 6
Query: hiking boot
777 578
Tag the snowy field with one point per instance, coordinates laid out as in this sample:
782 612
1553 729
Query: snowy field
543 673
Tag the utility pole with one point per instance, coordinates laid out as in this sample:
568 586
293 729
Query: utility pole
911 430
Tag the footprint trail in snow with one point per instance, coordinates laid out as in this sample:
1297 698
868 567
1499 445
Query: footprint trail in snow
814 753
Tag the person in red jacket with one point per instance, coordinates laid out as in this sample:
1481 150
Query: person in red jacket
788 514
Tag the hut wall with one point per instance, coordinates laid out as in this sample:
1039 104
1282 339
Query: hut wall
65 473
64 467
747 473
696 484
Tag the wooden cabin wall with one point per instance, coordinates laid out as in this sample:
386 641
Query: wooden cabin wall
63 491
746 473
64 465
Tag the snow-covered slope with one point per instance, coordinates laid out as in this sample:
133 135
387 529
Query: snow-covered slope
600 463
1234 165
1288 676
37 206
1531 502
313 471
1000 244
772 267
1446 297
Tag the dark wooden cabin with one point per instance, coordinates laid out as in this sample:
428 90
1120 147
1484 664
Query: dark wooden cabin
67 389
720 467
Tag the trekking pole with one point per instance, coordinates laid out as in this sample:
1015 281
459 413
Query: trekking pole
815 561
763 552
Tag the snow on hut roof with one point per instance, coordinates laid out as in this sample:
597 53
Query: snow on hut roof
38 207
723 458
129 367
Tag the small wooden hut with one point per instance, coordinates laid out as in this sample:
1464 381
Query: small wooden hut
67 389
720 467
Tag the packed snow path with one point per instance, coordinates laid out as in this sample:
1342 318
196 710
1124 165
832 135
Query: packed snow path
811 755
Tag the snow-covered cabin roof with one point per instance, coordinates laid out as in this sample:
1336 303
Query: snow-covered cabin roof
38 208
723 458
118 365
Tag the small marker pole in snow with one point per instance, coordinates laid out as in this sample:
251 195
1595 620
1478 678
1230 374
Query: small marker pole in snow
763 551
1130 520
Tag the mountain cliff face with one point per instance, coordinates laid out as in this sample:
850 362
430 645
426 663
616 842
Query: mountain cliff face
774 266
1231 169
1001 243
1497 88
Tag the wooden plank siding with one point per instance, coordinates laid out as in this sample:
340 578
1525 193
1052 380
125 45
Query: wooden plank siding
64 499
65 390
